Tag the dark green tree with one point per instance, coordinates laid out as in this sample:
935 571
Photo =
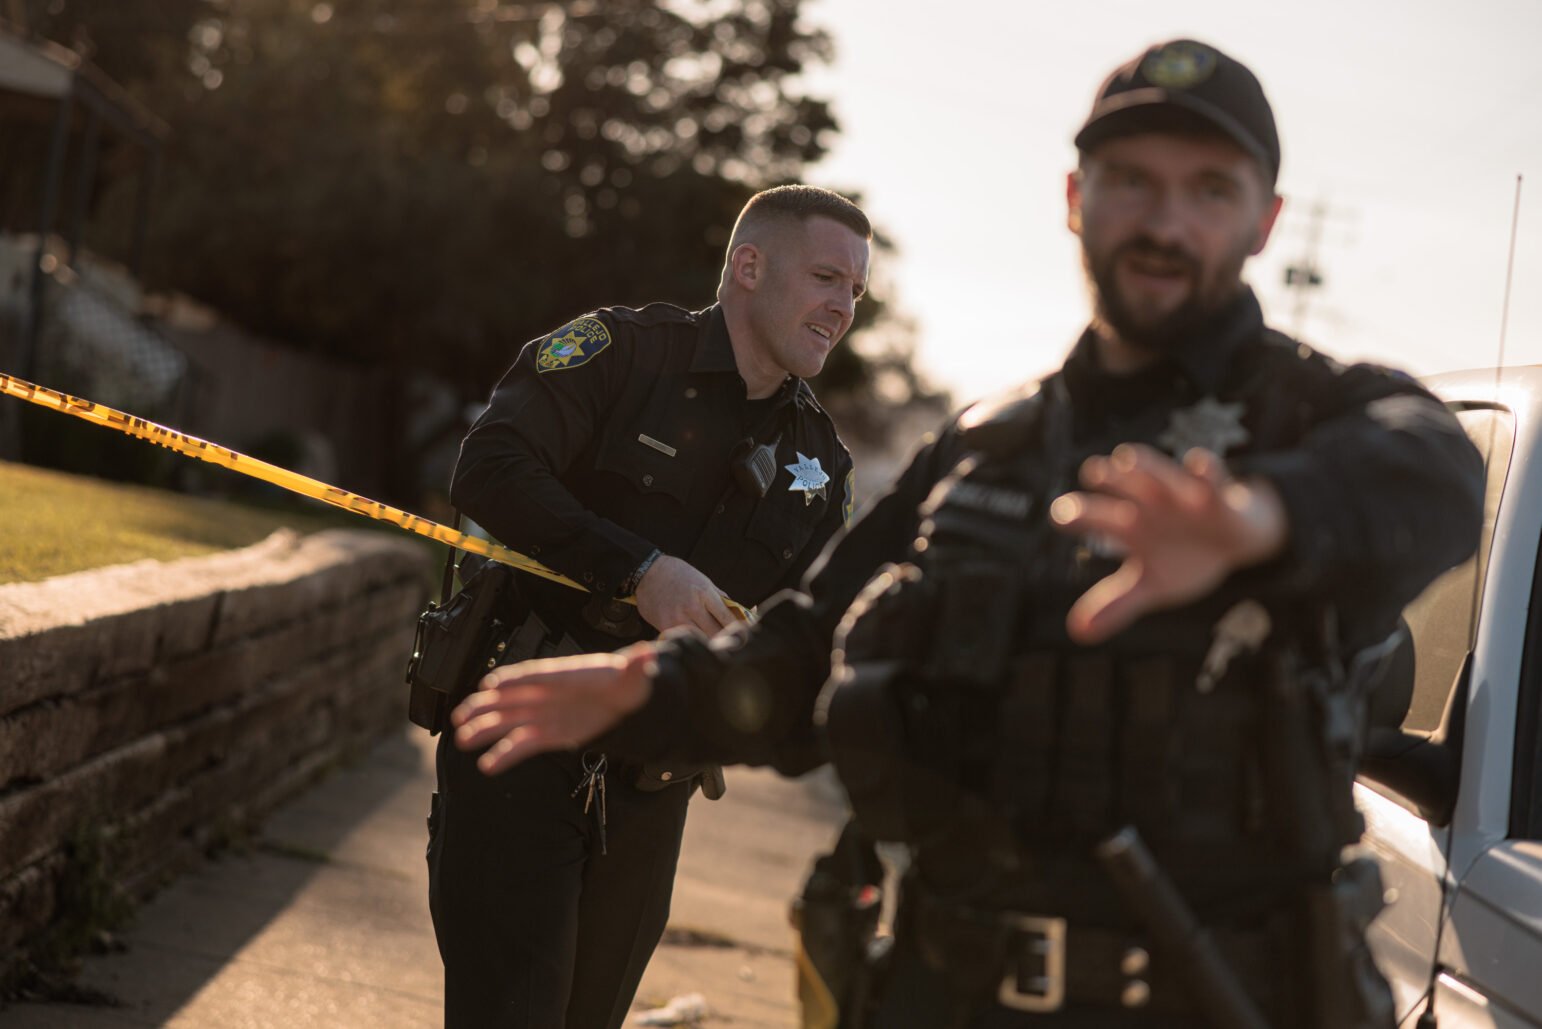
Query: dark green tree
425 184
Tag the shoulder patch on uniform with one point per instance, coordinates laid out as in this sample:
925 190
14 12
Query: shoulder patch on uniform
849 498
572 345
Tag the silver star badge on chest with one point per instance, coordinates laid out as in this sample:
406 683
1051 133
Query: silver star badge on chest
808 477
1209 425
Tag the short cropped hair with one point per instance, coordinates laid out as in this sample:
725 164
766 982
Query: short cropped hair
802 203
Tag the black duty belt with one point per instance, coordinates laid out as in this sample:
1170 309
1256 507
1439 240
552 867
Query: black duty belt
1042 963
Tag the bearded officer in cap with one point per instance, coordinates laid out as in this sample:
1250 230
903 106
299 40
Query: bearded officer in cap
1101 655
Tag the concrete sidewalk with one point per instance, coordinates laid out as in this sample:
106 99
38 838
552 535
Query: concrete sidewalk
323 920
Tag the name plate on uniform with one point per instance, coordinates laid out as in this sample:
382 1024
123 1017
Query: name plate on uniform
663 448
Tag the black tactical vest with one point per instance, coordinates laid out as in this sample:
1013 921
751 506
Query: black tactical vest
965 723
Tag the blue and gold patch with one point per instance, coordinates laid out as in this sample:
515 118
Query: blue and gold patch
1180 65
572 345
849 497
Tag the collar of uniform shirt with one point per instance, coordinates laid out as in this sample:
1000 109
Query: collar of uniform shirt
715 354
714 350
1203 361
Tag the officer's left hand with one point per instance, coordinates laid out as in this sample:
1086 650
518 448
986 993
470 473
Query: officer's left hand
556 704
673 593
1183 528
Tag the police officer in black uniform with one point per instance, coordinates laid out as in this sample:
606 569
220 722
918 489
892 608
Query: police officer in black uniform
658 455
1109 681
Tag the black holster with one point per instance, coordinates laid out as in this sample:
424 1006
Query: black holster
1348 992
1314 712
456 641
840 957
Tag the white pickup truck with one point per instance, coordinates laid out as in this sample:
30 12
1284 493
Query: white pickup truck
1453 796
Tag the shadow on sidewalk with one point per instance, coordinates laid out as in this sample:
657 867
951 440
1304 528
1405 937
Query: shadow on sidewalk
323 920
320 919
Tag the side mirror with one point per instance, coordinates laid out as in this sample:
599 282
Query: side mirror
1423 768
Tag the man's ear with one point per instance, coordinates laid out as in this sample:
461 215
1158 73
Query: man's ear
1266 223
749 266
1073 201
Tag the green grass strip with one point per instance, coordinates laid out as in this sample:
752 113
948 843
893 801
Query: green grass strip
52 523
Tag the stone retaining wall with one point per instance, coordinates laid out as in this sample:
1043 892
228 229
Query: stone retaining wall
150 710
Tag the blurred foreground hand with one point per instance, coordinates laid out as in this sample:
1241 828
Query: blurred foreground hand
1181 529
555 704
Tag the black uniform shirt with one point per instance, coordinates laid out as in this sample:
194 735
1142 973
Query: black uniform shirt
614 435
1381 487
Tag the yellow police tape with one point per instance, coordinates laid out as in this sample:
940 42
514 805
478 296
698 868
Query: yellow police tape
294 482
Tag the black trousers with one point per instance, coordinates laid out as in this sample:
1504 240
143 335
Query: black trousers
536 927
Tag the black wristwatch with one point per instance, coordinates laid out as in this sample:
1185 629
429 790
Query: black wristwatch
629 587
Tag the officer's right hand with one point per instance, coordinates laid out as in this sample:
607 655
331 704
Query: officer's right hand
672 593
1183 528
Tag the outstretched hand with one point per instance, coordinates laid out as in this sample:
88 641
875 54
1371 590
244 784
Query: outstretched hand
1182 529
556 704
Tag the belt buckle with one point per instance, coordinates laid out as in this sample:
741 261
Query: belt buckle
1046 944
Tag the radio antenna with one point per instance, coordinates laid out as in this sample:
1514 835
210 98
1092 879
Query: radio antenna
1427 1019
1493 420
1504 314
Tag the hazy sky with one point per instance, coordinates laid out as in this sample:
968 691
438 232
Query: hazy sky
1407 121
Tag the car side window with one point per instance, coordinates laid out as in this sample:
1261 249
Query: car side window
1442 619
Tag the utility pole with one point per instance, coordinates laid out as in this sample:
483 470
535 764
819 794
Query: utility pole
1304 275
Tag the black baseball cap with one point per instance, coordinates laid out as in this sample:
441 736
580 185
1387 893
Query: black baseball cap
1183 84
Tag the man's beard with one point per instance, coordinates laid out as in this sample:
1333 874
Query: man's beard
1166 332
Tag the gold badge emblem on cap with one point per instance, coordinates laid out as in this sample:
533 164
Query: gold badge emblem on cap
1179 65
